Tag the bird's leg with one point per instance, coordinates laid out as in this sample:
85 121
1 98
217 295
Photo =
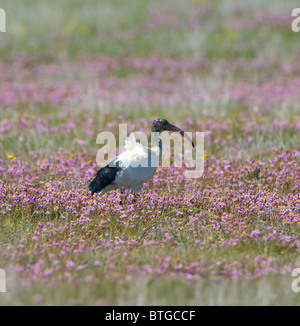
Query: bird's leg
135 197
122 191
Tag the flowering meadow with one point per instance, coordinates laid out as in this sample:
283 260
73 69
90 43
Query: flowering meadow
72 69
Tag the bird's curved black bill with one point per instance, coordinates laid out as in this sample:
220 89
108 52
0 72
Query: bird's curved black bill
171 127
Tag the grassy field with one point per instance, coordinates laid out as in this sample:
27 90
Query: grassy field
71 69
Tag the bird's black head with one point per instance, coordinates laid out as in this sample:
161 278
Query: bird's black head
160 125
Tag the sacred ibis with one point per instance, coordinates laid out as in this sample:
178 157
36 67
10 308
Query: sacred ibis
136 165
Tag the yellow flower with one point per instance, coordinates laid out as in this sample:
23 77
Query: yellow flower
11 156
84 30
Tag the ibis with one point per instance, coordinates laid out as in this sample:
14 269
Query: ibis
136 165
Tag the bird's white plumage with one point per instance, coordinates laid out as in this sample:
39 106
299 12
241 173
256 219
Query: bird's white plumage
134 163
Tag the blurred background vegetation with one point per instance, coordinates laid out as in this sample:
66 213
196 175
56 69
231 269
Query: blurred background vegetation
217 29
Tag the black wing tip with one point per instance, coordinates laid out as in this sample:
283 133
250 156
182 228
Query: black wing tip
103 178
93 186
97 184
91 190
